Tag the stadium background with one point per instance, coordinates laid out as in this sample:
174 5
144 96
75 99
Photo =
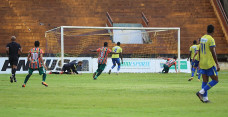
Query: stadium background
29 19
123 95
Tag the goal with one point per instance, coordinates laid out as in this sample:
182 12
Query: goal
137 42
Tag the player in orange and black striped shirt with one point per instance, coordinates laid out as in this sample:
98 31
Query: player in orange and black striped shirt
35 58
169 63
102 59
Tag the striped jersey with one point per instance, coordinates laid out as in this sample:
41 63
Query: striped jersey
170 62
35 62
103 55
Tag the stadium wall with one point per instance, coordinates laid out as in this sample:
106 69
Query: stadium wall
29 19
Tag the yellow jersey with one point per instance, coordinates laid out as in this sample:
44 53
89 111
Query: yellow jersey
206 58
193 49
116 49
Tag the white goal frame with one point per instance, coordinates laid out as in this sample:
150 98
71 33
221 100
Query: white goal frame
116 28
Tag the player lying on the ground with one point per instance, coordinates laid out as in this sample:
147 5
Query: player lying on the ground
70 68
35 59
195 60
13 50
208 63
169 63
102 59
116 57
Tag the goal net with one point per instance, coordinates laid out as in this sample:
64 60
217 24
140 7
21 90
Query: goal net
136 42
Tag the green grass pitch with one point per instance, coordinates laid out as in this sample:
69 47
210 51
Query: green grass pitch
123 95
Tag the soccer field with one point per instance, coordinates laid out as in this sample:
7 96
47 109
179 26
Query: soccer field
123 95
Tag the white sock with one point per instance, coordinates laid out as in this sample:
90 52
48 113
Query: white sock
205 98
202 91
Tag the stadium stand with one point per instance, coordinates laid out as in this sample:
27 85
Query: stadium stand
29 19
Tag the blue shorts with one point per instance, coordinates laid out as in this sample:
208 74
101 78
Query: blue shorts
195 63
209 72
192 63
116 60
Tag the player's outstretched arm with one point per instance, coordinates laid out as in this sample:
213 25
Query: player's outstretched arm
7 50
121 56
212 49
41 58
29 56
20 51
194 56
74 71
163 58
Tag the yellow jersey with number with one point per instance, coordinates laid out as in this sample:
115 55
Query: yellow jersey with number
206 58
193 49
116 49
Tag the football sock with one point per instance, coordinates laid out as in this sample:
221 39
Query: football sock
118 69
210 85
193 72
113 66
199 75
96 75
202 91
205 98
99 73
27 78
44 77
203 85
13 72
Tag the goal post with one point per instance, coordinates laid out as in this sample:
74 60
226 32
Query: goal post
62 33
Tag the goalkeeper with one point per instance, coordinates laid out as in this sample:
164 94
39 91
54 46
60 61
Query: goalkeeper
70 68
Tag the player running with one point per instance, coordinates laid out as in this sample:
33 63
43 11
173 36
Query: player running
116 57
208 61
169 63
13 50
194 60
35 59
70 68
102 59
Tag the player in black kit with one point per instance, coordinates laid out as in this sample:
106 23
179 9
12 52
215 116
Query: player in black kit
13 50
70 68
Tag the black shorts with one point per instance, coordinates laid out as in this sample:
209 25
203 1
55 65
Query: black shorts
65 68
13 60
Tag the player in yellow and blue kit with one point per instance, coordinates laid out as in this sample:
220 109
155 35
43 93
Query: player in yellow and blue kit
194 60
192 51
208 61
116 57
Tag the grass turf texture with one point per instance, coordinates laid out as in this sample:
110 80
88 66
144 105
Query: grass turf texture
125 95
